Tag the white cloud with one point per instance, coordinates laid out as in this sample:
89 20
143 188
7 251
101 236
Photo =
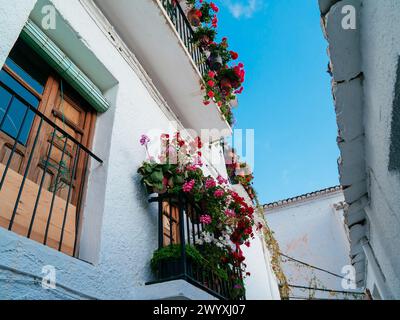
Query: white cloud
243 8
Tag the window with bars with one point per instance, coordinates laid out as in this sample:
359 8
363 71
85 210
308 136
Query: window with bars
45 131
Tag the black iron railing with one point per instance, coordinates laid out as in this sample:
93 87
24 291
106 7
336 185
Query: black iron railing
180 227
185 31
64 187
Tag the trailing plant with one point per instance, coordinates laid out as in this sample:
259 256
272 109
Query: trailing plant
274 250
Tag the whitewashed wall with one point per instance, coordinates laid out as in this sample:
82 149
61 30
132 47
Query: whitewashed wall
380 53
262 283
312 231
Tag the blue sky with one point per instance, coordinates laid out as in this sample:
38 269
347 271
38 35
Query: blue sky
287 97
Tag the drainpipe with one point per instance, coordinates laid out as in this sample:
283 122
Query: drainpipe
376 270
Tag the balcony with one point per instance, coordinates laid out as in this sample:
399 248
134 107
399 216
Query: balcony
185 31
178 229
159 35
43 171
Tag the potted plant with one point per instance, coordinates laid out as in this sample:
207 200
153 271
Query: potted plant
167 262
218 55
231 78
160 178
204 36
206 10
194 17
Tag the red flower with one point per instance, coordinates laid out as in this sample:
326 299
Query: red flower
198 13
211 74
239 91
219 103
211 94
211 83
234 55
214 7
214 22
199 143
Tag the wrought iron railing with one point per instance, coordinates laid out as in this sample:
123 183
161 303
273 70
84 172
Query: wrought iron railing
185 31
179 226
28 209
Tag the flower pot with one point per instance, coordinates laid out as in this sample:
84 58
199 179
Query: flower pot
226 86
152 190
215 62
193 18
204 41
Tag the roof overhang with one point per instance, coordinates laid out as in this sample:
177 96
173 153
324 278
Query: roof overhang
347 89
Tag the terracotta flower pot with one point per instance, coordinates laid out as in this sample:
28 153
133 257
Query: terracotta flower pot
193 18
204 41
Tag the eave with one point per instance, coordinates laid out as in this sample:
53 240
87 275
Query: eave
347 90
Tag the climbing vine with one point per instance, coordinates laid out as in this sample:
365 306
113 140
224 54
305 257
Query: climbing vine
274 250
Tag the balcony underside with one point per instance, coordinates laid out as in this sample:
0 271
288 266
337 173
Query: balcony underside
147 30
176 289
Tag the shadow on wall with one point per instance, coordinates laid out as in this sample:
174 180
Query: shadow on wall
394 157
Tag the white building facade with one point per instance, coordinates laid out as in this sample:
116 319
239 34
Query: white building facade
314 244
133 67
364 49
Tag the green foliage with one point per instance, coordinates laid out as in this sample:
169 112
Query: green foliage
159 177
206 12
202 32
221 49
173 252
230 74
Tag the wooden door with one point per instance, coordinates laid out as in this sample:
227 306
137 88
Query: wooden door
61 156
170 223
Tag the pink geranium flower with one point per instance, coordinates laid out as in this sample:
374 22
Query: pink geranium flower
230 213
219 193
191 168
188 186
210 183
206 219
144 140
221 180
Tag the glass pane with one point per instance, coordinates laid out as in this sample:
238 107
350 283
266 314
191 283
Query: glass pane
25 76
13 122
5 99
